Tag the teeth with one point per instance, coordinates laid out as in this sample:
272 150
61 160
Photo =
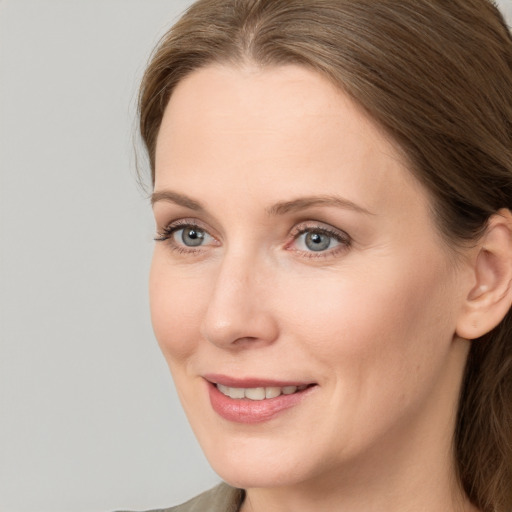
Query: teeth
255 393
258 393
236 392
272 392
223 389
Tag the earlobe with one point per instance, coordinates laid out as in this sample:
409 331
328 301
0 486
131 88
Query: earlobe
490 297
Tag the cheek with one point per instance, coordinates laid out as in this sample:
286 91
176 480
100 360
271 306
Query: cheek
382 322
380 339
176 309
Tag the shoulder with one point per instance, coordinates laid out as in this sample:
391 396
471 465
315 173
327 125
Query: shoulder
222 498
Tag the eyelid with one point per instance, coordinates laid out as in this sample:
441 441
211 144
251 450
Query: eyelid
166 233
311 225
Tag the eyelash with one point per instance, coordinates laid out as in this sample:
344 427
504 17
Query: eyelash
344 240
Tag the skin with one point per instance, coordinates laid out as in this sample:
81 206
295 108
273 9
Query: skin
372 320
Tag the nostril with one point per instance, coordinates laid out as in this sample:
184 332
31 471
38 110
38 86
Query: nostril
246 339
240 325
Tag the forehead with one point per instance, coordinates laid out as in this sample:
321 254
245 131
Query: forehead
252 98
257 128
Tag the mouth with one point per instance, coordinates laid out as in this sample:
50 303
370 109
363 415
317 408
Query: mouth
253 400
260 393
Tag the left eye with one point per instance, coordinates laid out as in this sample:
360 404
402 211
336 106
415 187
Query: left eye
317 240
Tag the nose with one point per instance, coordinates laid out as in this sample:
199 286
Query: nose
239 311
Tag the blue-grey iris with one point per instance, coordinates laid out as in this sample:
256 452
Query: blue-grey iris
192 237
317 241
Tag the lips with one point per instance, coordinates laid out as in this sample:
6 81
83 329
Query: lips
254 400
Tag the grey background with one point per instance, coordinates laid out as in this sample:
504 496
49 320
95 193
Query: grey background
89 420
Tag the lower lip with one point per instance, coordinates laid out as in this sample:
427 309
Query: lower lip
244 410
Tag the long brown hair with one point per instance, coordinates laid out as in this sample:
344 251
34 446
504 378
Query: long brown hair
437 75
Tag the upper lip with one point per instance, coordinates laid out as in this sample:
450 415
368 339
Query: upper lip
252 382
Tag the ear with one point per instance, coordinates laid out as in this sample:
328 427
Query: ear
490 297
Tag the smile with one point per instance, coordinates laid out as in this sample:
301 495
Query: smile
254 400
261 393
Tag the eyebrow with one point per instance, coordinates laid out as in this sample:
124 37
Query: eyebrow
179 199
302 203
280 208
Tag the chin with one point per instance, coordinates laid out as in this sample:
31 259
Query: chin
259 466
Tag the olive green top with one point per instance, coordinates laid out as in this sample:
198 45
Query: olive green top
222 498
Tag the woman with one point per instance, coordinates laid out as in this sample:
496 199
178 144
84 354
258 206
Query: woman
331 281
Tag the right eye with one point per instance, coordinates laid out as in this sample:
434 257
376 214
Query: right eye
185 236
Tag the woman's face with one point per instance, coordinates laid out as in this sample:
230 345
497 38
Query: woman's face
298 260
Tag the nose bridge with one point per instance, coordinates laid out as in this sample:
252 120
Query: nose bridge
238 307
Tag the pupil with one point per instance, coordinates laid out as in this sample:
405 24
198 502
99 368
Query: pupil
317 241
